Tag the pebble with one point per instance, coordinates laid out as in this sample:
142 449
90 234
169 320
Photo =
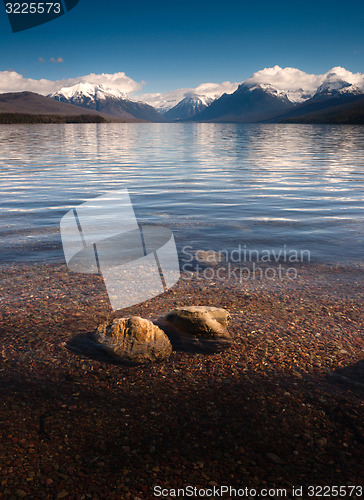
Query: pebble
62 494
21 493
275 458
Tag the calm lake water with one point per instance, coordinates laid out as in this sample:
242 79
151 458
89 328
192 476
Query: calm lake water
215 185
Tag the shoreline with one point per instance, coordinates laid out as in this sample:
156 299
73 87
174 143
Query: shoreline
282 407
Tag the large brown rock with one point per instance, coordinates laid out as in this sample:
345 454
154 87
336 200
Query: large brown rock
201 321
134 339
199 328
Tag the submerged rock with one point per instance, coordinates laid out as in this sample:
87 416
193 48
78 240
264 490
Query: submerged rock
209 257
201 327
134 339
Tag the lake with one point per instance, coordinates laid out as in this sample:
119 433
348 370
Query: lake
216 186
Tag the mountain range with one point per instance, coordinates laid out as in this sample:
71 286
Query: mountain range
271 95
249 103
335 100
109 101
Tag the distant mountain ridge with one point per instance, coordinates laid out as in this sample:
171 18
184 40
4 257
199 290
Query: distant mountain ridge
106 100
189 106
335 101
263 102
249 103
345 108
31 103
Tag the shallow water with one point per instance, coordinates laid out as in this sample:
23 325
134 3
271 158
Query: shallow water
217 186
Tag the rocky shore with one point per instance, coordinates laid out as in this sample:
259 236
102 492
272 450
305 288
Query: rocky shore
282 406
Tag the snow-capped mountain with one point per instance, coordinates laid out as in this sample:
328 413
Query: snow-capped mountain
300 86
298 95
87 93
251 102
334 86
266 87
107 100
336 100
188 107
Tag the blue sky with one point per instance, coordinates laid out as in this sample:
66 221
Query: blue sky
170 45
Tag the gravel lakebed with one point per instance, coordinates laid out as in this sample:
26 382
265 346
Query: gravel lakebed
282 407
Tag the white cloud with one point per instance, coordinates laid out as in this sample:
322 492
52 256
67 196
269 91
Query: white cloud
353 78
56 61
115 81
286 78
11 81
216 89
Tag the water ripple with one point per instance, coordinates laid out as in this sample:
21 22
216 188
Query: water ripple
291 184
